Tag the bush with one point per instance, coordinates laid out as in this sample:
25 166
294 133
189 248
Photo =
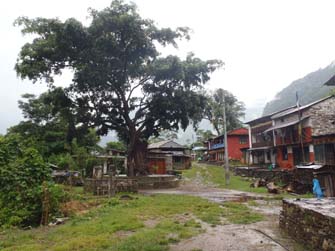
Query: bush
22 173
64 161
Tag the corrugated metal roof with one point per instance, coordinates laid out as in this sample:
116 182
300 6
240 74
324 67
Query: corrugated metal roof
165 144
296 109
285 124
237 132
199 148
315 167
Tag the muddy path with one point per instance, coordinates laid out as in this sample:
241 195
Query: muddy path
261 236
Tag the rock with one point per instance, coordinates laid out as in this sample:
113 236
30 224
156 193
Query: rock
272 188
126 197
58 221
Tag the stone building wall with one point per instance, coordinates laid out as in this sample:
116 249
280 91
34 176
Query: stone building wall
323 117
311 222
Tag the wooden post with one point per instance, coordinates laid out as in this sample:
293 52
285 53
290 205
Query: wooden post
227 174
45 205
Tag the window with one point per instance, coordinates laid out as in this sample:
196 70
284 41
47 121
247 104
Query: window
243 140
268 156
284 153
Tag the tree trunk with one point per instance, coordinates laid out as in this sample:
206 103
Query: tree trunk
136 161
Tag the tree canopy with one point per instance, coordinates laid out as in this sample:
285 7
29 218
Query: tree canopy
52 122
235 110
202 136
120 82
164 135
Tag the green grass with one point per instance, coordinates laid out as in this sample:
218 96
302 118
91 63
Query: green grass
100 228
215 175
238 213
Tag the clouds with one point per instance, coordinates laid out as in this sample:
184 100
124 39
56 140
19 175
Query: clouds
265 44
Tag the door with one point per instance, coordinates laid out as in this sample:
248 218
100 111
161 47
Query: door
157 166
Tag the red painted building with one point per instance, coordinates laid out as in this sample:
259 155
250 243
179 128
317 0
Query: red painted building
237 140
295 135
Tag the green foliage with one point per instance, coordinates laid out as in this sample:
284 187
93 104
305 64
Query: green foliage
202 136
63 161
118 145
235 110
121 225
164 135
121 82
51 124
332 92
22 172
238 213
145 223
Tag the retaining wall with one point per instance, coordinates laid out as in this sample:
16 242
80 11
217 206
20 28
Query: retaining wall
310 222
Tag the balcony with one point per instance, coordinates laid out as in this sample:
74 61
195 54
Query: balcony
216 146
293 137
262 144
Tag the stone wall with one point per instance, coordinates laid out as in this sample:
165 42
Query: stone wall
157 181
279 175
299 179
108 186
323 117
105 185
311 222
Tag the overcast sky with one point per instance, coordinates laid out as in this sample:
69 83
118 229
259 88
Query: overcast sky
265 44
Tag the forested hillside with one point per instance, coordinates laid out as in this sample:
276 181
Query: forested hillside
310 88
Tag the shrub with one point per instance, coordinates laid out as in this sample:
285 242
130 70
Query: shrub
22 173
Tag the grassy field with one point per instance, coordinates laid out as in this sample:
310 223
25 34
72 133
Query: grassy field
211 174
214 175
145 223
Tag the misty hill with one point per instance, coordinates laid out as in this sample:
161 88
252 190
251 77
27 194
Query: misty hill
309 88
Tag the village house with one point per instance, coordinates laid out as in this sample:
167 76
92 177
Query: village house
166 156
295 135
305 134
298 138
260 142
238 142
113 159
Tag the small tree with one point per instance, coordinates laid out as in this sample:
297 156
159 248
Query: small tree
118 145
235 110
202 136
120 81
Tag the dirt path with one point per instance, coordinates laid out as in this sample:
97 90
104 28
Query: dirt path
260 236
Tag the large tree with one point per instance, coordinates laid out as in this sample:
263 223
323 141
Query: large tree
120 82
235 110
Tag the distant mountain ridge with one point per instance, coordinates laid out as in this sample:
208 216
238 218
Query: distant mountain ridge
309 88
